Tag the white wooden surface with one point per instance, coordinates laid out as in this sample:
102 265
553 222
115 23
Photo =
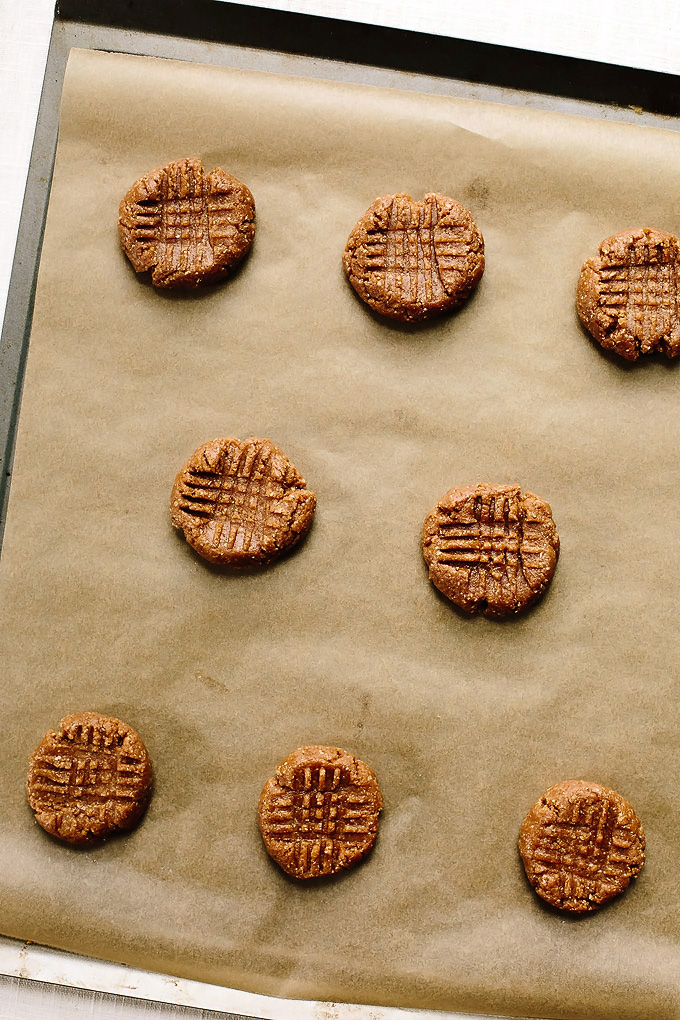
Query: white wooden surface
637 33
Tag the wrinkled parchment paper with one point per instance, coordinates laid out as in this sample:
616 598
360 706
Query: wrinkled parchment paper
465 721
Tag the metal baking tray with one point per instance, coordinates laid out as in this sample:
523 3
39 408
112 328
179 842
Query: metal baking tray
228 34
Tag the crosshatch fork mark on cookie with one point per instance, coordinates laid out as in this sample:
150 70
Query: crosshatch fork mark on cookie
241 502
88 767
410 260
490 548
641 294
627 297
176 223
320 814
241 498
581 843
494 538
413 252
89 778
186 226
582 846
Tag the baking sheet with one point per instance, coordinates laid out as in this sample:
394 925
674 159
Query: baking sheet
465 721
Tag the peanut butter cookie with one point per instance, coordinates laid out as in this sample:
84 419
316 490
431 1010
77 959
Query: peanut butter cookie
627 297
581 844
319 814
410 260
490 549
88 779
187 227
241 503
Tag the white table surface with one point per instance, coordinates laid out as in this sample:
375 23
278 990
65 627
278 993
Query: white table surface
633 33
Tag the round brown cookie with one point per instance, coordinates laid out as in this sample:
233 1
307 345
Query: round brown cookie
241 502
627 297
319 814
491 549
581 844
186 227
88 779
411 260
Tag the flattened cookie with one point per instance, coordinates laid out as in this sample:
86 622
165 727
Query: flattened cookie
319 814
491 549
627 297
187 227
581 844
88 779
241 502
410 260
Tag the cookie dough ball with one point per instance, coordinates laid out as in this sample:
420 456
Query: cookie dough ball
241 503
411 260
627 296
319 814
187 227
581 844
490 548
88 779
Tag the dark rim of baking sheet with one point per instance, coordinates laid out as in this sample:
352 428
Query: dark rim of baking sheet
399 49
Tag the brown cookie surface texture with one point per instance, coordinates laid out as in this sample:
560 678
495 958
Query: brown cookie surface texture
581 844
319 814
627 297
187 227
241 503
411 260
88 779
490 548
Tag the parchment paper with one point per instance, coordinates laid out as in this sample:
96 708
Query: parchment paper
465 721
